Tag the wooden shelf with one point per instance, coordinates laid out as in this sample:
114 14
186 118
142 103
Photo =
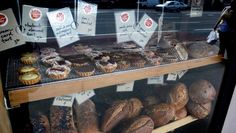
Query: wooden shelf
174 125
39 92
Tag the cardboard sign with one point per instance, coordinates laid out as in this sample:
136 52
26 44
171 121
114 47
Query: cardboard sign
182 52
156 80
63 26
10 34
125 87
66 100
196 8
84 95
125 22
144 30
86 18
172 76
34 24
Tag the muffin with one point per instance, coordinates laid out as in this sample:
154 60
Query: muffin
106 67
58 72
85 71
29 58
30 78
26 69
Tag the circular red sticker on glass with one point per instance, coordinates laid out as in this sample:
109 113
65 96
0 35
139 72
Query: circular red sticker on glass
60 17
148 23
124 17
87 9
3 20
35 14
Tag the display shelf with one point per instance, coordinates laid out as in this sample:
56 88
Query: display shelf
174 125
26 94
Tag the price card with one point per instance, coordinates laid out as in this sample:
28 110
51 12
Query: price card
34 23
84 95
125 87
181 73
172 76
63 26
10 34
86 18
156 80
182 52
125 22
66 100
144 30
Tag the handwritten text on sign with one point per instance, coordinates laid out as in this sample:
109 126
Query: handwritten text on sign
66 100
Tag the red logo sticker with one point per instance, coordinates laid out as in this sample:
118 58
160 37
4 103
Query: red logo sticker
124 17
35 14
87 9
3 19
148 23
60 17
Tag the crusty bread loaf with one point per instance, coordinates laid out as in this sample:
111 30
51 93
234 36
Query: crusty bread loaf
199 110
40 123
135 107
180 114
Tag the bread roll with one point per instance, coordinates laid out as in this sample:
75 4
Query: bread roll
180 114
135 107
199 110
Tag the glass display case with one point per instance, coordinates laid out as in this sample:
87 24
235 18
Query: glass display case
108 66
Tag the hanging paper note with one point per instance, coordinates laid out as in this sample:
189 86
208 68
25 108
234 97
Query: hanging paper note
66 100
156 80
84 95
34 24
172 76
10 34
125 87
144 30
63 26
86 19
182 52
125 22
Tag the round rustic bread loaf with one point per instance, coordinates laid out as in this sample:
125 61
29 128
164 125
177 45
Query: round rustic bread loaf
178 96
180 114
135 107
161 114
202 91
199 110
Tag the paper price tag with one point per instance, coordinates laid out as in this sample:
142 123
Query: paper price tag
10 34
156 80
125 22
34 24
66 100
182 52
181 73
84 95
63 26
172 76
144 31
125 87
86 18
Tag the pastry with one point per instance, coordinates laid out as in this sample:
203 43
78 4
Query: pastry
86 120
30 78
199 50
123 64
155 60
29 58
161 114
63 63
80 62
142 124
106 67
178 96
202 91
114 115
58 72
135 107
138 62
149 54
199 110
51 54
26 69
40 123
61 119
47 50
82 49
51 60
85 71
180 114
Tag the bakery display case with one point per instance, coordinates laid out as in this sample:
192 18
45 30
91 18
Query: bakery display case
75 67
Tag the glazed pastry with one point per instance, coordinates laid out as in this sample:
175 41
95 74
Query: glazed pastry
86 119
106 67
85 71
80 62
40 123
202 91
58 72
26 69
199 110
29 58
51 60
142 124
61 119
30 78
178 96
180 114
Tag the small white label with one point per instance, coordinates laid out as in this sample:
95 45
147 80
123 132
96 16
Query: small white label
181 73
172 76
183 54
66 100
156 80
84 95
125 87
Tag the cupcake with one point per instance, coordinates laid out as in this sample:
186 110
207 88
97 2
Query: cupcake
30 78
106 67
85 71
29 58
58 72
27 69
